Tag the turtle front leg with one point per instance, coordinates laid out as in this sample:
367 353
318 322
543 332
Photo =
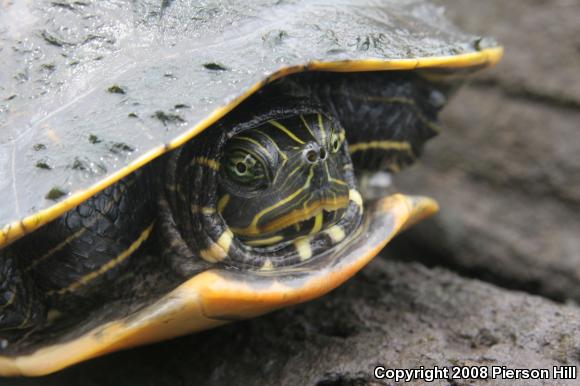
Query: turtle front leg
21 304
388 116
77 262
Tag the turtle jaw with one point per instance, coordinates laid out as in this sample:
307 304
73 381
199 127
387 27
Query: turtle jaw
232 295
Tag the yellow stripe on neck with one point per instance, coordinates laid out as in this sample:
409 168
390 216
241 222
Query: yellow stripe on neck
381 145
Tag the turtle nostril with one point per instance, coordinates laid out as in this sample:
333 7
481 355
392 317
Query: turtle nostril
311 156
322 154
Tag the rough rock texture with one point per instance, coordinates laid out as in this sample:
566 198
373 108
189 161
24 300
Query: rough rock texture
507 175
542 38
507 170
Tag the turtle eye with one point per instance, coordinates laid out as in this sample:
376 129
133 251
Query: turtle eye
244 168
335 142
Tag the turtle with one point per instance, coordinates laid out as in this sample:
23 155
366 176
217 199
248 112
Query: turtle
169 167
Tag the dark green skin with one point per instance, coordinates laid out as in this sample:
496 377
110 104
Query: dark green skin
399 106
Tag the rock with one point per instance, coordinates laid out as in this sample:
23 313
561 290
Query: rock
506 171
542 40
509 190
393 314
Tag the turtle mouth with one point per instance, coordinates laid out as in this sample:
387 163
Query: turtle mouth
320 219
318 210
386 214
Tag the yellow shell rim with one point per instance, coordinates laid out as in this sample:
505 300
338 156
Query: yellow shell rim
202 301
484 58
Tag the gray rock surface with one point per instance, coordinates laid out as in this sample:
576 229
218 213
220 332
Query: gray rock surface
507 175
542 38
507 170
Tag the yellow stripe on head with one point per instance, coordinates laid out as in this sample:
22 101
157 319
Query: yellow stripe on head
322 130
307 126
285 130
336 233
317 223
355 196
303 247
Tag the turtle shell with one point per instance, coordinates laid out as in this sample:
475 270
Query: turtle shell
92 91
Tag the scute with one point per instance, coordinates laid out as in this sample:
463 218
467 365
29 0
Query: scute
92 91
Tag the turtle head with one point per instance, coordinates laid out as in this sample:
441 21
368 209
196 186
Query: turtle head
284 179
